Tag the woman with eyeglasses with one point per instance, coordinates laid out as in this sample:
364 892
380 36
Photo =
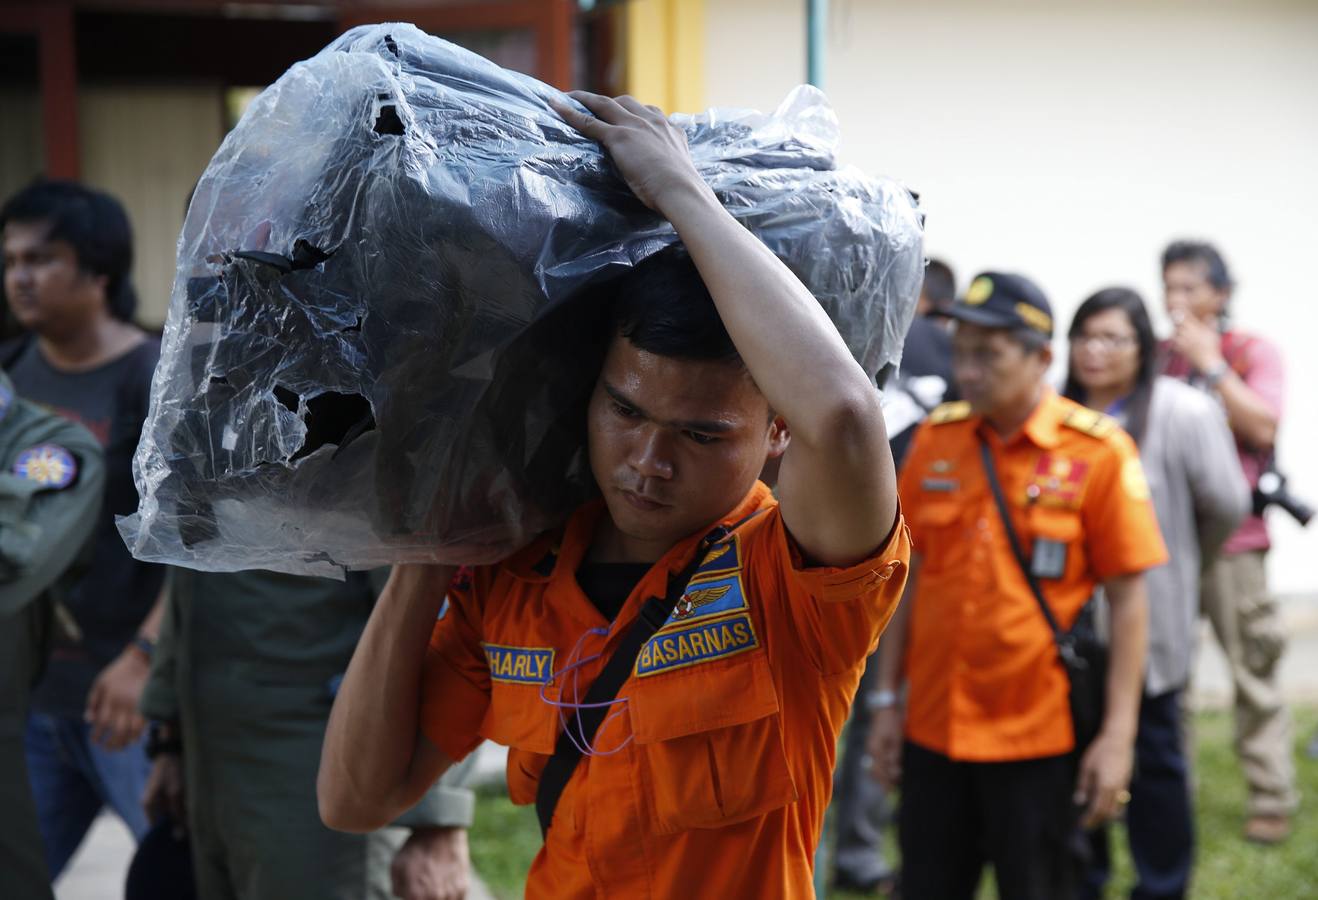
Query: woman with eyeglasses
1199 495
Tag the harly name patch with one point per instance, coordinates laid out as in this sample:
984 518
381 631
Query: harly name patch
697 643
520 665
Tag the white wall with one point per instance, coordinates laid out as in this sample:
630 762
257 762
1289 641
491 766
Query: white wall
1072 141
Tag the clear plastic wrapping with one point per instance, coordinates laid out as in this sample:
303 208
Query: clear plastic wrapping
377 347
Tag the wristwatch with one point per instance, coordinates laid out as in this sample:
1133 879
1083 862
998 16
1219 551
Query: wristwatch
1216 372
144 645
877 700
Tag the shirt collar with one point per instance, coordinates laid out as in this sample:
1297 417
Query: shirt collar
568 545
1041 428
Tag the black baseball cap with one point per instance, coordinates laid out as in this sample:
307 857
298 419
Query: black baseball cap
1003 300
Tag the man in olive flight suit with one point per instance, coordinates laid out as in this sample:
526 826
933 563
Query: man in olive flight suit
241 685
51 482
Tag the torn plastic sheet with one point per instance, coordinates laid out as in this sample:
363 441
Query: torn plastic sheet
377 349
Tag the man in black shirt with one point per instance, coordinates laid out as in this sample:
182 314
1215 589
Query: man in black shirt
923 382
67 256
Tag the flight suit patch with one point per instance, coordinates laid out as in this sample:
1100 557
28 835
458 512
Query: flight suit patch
519 665
1091 422
1133 480
952 411
704 599
49 465
1057 481
701 642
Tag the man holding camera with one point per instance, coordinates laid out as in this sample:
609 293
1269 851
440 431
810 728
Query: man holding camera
1245 372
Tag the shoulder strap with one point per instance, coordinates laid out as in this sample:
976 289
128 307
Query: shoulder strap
986 455
567 751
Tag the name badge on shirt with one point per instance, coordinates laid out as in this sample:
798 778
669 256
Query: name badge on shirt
1048 559
520 665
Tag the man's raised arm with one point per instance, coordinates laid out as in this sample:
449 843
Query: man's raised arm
375 762
837 484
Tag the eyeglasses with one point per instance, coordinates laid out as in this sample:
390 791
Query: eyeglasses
1108 343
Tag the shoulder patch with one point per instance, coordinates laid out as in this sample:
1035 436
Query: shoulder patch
955 411
49 465
1090 422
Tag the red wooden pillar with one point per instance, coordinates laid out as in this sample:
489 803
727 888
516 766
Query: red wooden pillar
554 42
52 25
59 92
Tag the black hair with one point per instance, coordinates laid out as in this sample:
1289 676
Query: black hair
939 283
1031 339
663 307
1129 302
1199 252
90 221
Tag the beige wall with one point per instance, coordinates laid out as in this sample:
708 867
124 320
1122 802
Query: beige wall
20 138
148 146
1072 141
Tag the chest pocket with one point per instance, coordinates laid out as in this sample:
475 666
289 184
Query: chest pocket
518 719
938 527
710 744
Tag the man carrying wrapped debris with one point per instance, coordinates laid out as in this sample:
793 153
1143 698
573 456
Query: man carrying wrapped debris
672 667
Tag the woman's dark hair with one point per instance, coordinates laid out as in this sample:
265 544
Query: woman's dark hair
1129 302
663 307
93 223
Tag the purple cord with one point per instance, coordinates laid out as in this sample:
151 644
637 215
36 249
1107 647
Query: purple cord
573 665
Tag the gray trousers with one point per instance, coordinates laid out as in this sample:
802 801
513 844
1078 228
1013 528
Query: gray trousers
860 807
23 643
1248 625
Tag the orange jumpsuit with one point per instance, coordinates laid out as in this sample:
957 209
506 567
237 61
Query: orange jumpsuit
725 740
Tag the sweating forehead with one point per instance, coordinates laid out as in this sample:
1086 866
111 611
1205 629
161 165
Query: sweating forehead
672 388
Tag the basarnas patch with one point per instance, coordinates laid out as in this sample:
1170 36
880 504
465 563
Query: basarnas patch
519 665
701 642
49 465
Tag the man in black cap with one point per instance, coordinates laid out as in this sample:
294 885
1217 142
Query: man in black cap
991 768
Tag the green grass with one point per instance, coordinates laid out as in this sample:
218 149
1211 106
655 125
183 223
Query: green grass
505 838
503 841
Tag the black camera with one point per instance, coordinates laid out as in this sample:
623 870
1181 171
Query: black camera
1272 491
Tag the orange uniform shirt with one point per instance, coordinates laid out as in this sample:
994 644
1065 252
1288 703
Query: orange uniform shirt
725 742
985 682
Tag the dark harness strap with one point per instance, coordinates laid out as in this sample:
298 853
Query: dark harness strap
567 754
990 471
